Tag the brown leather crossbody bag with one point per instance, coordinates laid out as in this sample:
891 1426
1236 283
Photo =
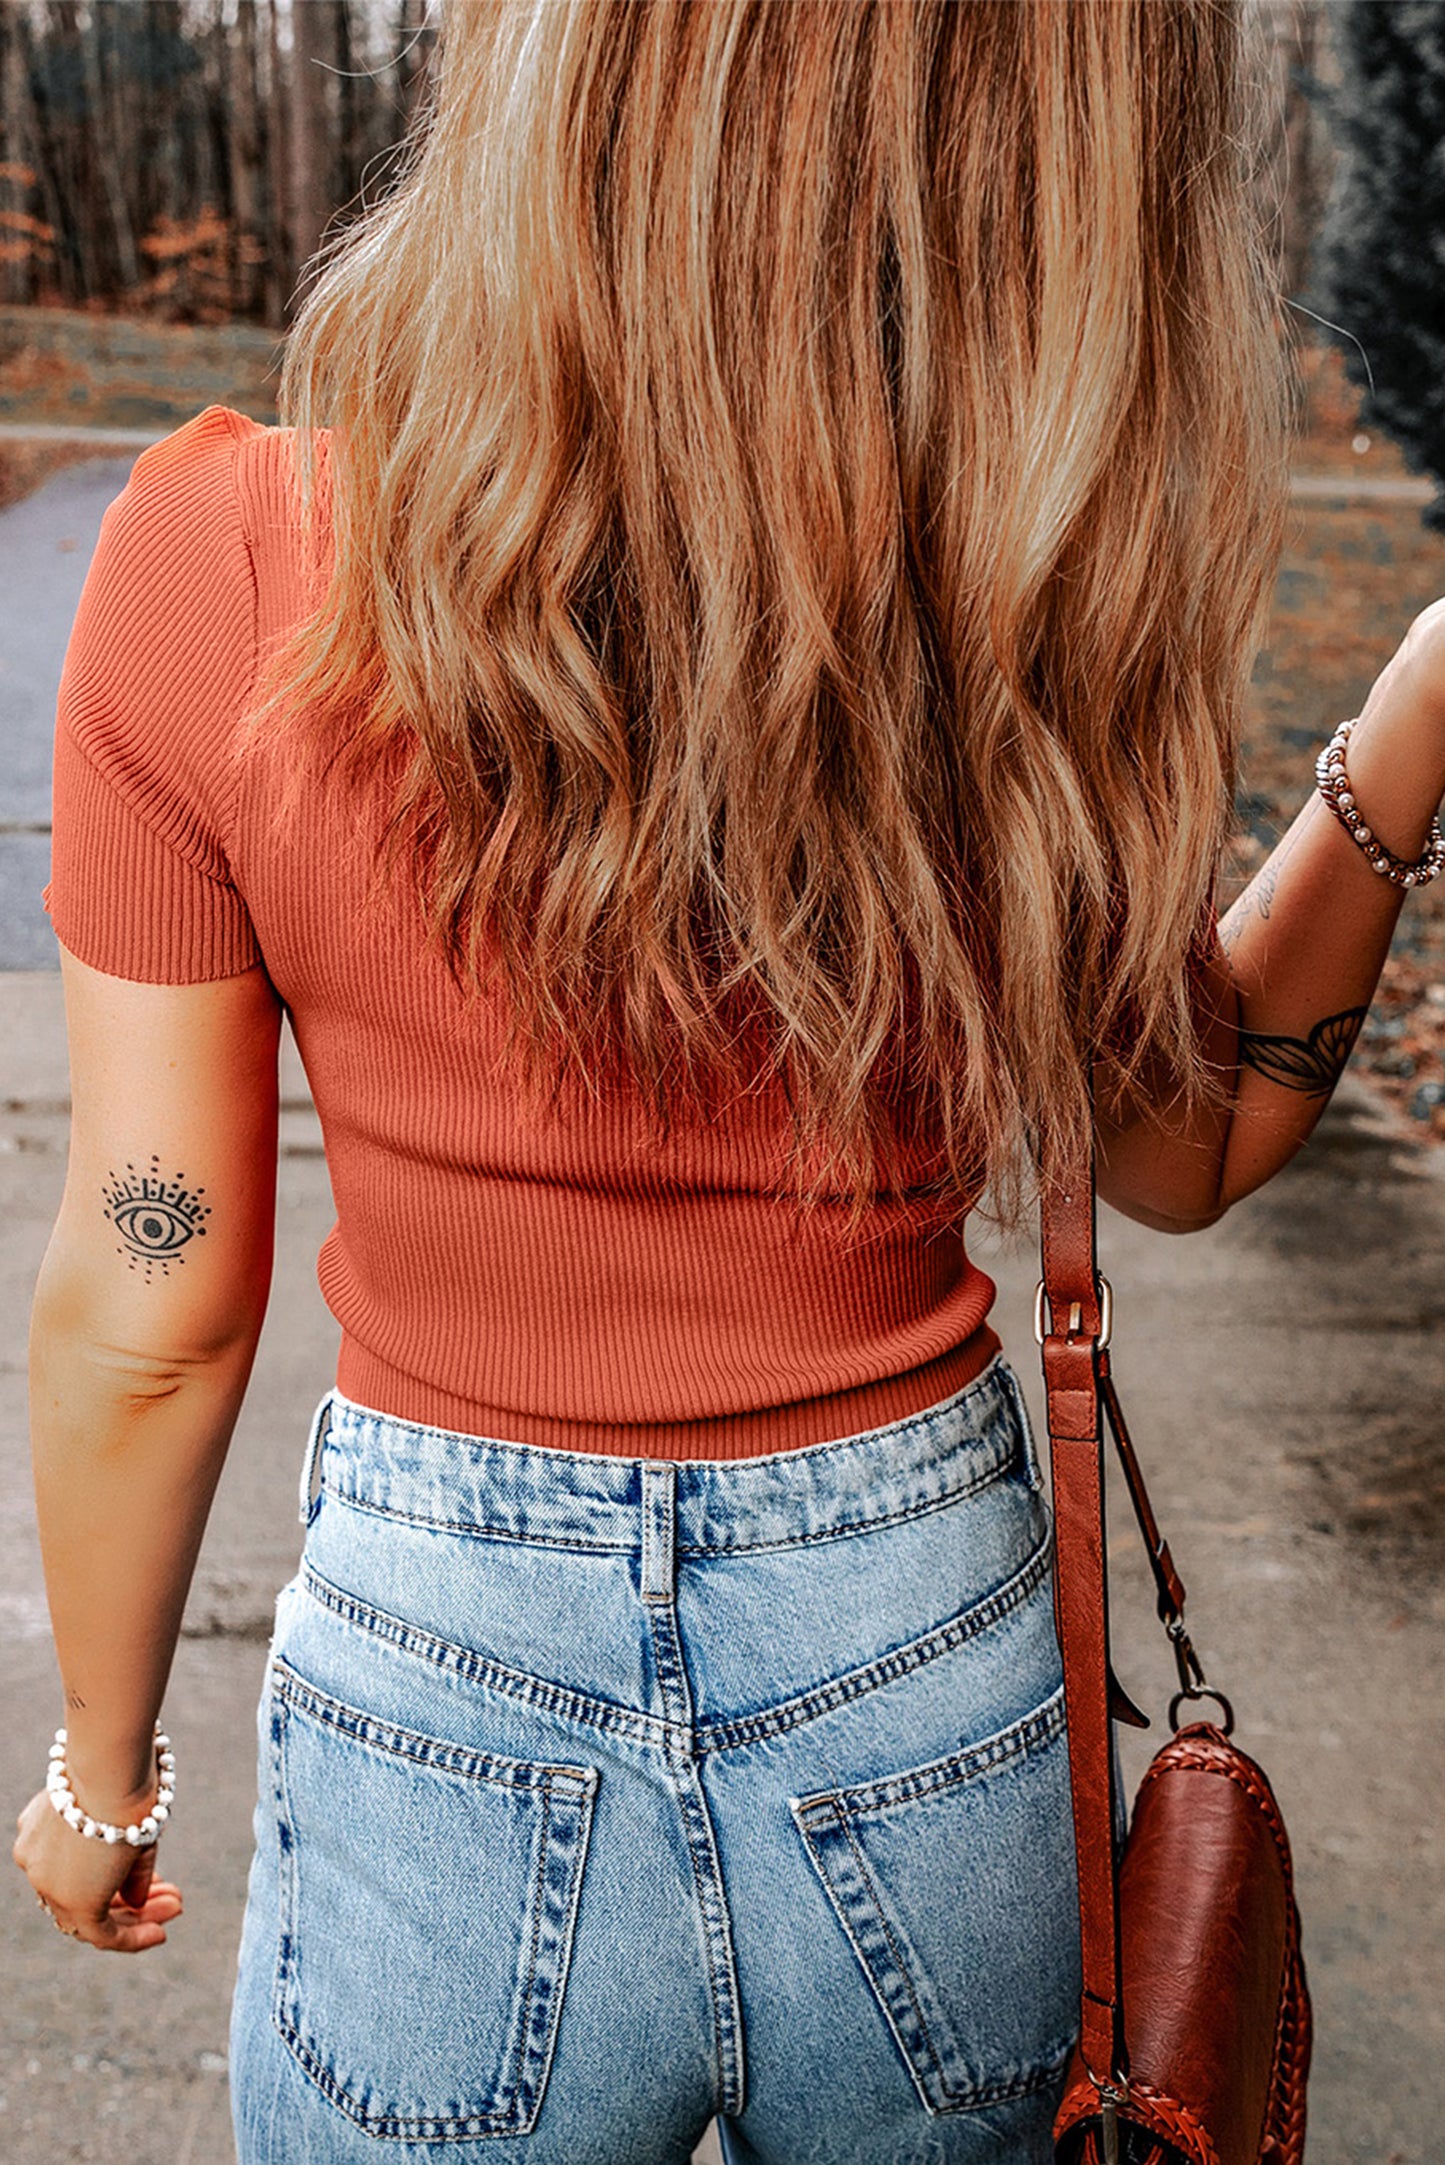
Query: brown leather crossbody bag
1194 2039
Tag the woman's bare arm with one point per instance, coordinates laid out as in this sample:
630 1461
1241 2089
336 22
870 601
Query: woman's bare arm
1301 955
146 1317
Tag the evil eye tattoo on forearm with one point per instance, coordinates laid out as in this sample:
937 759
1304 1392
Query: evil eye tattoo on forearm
155 1217
1313 1064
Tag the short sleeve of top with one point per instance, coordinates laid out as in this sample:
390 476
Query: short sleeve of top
160 662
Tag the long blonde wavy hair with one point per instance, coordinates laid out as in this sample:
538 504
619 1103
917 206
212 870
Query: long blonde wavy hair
806 478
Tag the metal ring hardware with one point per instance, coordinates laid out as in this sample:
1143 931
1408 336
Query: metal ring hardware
1203 1691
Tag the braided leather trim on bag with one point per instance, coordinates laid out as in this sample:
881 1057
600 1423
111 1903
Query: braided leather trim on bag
1152 2111
1204 1748
1208 1750
1284 2142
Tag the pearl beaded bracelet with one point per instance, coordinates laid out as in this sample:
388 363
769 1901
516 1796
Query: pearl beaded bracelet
140 1836
1334 787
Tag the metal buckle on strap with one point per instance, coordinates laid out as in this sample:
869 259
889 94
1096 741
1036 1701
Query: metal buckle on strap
1043 1317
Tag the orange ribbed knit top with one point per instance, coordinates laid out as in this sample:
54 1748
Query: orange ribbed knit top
549 1279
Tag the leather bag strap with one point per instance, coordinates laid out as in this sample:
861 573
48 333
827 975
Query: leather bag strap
1071 1361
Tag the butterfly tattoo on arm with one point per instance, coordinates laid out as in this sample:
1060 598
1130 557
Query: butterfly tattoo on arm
1312 1064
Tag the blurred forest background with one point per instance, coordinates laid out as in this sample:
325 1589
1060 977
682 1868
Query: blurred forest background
183 158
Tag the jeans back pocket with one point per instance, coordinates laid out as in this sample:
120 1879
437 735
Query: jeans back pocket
955 1884
428 1898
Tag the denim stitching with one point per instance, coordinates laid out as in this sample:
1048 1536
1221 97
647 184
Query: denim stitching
900 1966
990 1753
486 1530
901 1661
521 2086
719 2044
981 1479
578 1783
680 1758
994 1377
568 1897
286 1903
581 1707
422 2128
694 1809
451 1758
656 1730
1008 2087
478 1529
1029 1442
839 1810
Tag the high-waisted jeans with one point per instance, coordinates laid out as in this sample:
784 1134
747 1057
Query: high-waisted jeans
602 1796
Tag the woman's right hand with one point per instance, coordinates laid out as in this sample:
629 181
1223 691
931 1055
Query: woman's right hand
105 1893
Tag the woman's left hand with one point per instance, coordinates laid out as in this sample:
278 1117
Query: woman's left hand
104 1892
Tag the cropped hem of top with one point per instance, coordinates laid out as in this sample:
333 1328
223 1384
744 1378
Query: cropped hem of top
560 1278
369 1382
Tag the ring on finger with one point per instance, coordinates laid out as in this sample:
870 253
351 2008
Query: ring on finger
71 1931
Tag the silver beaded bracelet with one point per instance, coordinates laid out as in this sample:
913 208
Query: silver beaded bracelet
140 1836
1334 787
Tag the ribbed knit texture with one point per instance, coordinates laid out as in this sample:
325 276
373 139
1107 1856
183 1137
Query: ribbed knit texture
561 1281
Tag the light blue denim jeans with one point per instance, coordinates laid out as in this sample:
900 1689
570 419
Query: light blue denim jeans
601 1796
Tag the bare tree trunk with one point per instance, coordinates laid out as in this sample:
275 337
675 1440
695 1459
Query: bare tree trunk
1300 151
243 144
167 149
412 44
18 267
103 144
1307 146
45 137
281 253
67 153
382 116
347 133
312 54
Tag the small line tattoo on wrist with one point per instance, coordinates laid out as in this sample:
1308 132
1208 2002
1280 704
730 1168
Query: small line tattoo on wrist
154 1217
1313 1064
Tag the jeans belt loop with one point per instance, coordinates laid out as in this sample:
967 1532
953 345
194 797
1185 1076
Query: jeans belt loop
659 1498
320 1423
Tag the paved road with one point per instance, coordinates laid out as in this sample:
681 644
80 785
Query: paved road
46 542
35 432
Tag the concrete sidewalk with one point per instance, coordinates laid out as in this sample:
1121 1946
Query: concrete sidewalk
1283 1374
